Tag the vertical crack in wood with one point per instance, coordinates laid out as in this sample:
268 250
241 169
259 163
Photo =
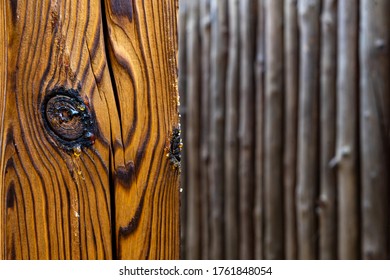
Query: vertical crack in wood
112 148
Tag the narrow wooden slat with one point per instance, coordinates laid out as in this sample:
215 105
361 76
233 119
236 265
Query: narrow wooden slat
217 116
374 126
291 80
141 38
307 166
246 129
3 90
57 196
205 126
182 83
193 131
258 214
328 182
273 145
231 141
347 131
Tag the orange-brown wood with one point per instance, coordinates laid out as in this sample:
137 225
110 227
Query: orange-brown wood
113 194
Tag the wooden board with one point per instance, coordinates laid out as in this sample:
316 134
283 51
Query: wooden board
89 99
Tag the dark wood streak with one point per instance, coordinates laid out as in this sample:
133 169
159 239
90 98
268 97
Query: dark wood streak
122 8
10 201
14 7
125 231
125 174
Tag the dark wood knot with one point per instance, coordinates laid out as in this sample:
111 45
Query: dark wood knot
68 119
175 147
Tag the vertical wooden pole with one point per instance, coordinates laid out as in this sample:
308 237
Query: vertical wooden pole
307 167
217 134
374 126
193 130
246 130
291 74
273 145
328 182
231 141
205 127
259 111
347 131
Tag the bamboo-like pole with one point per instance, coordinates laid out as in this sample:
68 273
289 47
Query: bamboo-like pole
231 141
374 126
328 182
307 185
347 133
193 133
291 70
273 145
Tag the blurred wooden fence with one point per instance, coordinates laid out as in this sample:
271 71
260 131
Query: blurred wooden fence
285 114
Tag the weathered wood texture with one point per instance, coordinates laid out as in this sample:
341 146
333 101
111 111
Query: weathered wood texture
307 166
193 132
205 126
295 120
115 193
258 211
231 139
374 127
246 129
291 87
273 141
328 182
217 119
346 155
328 190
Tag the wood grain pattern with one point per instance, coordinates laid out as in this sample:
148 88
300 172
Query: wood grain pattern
58 204
142 54
3 91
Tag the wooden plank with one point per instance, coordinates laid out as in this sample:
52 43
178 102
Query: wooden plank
193 131
374 126
217 115
273 145
142 47
205 126
182 84
347 131
307 167
328 182
258 214
231 140
3 92
54 176
291 80
246 129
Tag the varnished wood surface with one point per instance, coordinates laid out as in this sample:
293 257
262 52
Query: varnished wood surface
118 198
